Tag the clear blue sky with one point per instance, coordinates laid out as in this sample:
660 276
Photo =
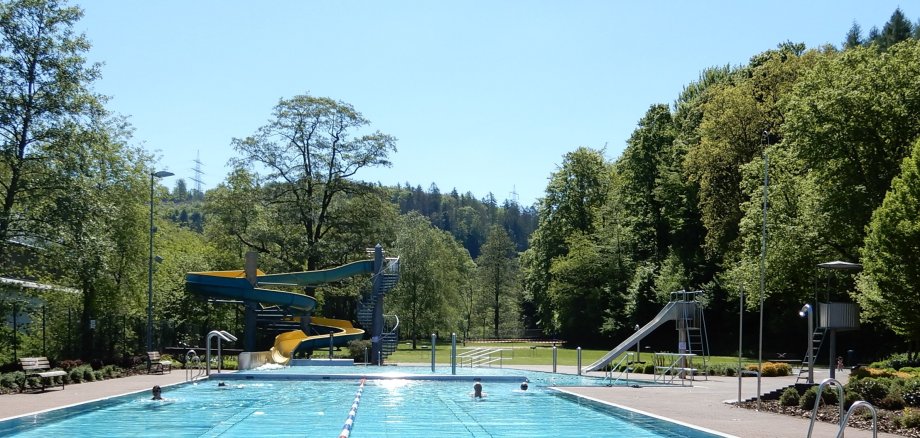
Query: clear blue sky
483 96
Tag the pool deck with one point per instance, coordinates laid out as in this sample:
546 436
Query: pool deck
701 405
705 405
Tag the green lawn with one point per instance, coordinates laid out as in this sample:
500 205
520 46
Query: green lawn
522 354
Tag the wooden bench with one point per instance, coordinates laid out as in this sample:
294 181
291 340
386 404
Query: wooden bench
155 364
40 367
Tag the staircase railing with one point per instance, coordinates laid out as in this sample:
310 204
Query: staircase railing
817 340
193 369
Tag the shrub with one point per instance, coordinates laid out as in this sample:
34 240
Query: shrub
98 375
88 375
14 380
790 397
870 390
730 372
910 419
356 349
807 400
649 368
68 365
76 375
775 369
911 392
33 382
893 401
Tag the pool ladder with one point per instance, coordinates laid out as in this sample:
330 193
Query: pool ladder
841 399
193 369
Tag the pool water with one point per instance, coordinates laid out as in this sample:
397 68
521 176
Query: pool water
388 408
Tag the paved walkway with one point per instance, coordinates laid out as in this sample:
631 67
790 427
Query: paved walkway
14 405
702 405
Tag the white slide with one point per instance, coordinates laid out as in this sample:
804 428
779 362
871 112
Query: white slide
668 313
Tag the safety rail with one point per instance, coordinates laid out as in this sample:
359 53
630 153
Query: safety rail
193 369
480 356
841 399
853 407
669 366
220 335
627 359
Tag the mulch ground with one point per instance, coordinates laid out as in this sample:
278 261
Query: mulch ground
861 419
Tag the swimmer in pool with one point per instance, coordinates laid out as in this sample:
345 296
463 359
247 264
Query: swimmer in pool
524 386
157 393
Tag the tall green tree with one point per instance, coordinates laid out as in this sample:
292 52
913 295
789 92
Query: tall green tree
572 205
44 96
889 286
897 29
310 150
433 278
850 127
640 169
498 271
854 37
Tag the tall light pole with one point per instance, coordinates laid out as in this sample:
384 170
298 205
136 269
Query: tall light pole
159 174
806 312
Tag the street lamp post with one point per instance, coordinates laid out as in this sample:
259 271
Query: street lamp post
159 174
806 313
638 350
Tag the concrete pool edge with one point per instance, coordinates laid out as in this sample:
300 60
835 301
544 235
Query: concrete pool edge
268 375
640 412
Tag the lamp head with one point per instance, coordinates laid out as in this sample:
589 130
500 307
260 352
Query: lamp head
806 310
162 174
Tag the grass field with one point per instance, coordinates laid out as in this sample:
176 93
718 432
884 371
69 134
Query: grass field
521 353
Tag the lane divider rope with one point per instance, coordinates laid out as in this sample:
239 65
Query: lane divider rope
350 421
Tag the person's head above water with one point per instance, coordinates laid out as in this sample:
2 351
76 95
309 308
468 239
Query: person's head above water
156 392
524 386
477 389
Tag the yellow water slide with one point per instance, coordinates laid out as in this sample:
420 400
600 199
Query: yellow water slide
288 342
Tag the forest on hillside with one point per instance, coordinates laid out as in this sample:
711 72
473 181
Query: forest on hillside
825 139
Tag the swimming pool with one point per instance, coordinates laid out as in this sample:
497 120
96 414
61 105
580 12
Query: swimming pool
388 408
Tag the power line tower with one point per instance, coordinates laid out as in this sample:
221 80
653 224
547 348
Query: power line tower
198 173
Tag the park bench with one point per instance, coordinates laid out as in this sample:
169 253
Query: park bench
39 366
155 364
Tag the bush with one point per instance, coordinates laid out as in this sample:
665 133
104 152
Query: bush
870 390
775 369
356 349
893 401
896 362
76 375
88 375
911 392
910 419
68 365
14 380
98 375
790 397
807 400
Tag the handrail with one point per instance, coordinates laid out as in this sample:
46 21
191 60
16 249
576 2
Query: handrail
674 366
192 365
609 374
867 405
220 335
840 401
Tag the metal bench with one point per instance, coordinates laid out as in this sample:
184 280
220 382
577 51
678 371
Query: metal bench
155 364
40 367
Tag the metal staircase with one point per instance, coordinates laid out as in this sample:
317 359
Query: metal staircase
691 319
817 340
388 277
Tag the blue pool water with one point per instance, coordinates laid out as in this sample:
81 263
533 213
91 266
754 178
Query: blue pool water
388 408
